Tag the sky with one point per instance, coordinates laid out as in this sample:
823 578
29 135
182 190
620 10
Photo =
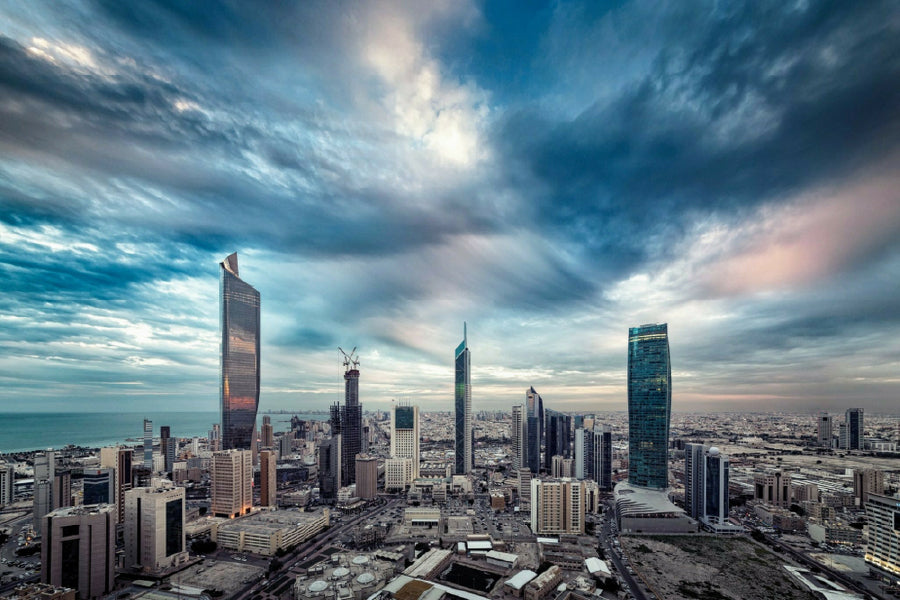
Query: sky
549 173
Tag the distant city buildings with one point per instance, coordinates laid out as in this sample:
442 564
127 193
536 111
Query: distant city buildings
239 318
7 480
558 436
852 437
168 447
231 479
464 434
649 405
825 432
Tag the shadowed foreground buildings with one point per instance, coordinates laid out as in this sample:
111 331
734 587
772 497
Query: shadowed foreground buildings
154 528
883 548
78 549
240 357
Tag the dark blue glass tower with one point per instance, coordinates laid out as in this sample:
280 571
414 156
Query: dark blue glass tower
649 405
534 405
240 357
463 401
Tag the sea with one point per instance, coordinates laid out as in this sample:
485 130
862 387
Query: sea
23 432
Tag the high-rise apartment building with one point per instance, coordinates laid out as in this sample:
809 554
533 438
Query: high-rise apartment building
240 357
706 484
524 478
557 506
465 434
366 477
855 439
346 420
603 457
649 405
693 479
825 430
154 528
330 467
267 478
78 550
558 436
267 433
883 547
405 436
44 475
231 479
7 483
99 486
168 447
867 481
518 436
534 427
148 444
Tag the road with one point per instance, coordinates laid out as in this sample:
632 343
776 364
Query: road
606 538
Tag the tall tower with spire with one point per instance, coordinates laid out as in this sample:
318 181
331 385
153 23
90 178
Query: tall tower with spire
465 457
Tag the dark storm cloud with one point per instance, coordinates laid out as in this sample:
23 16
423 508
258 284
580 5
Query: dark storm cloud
762 102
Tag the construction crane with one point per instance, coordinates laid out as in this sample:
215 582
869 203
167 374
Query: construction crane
351 361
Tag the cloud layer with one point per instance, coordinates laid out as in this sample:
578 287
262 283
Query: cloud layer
388 170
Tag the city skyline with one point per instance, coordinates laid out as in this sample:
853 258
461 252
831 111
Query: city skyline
551 176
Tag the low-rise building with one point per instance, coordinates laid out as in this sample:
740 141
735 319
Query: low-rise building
544 584
268 532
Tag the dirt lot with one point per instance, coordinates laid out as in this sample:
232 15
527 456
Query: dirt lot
710 568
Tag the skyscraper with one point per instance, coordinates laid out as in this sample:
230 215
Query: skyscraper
603 457
465 458
240 357
534 426
519 438
366 477
854 420
99 486
706 484
825 430
148 444
167 447
7 488
405 435
330 467
121 460
346 420
649 405
559 436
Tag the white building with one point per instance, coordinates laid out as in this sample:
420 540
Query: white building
405 436
397 473
268 532
557 506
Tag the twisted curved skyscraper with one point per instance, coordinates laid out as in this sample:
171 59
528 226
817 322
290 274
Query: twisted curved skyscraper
465 459
649 405
240 357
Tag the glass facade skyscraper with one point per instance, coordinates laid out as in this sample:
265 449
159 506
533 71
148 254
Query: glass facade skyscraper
649 405
534 425
465 459
240 357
